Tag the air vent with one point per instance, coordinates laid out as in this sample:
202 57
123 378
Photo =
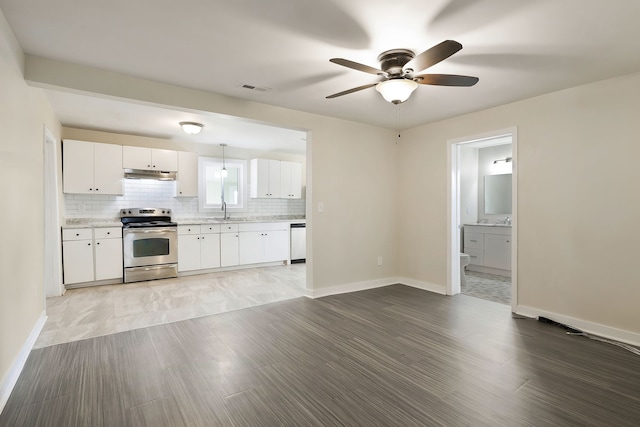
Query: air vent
255 88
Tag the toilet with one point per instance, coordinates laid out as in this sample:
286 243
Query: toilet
464 261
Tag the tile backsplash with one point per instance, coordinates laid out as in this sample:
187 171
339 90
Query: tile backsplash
149 193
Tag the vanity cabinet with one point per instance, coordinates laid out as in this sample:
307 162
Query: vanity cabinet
149 159
187 179
489 248
91 168
91 255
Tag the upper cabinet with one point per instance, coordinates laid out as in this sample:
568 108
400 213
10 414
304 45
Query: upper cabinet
291 180
265 178
187 181
276 179
91 168
149 159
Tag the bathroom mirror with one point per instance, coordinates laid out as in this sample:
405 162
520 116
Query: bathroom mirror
497 194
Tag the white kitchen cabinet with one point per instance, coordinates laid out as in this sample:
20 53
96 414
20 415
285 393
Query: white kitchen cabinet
489 248
229 245
263 242
291 180
198 247
108 253
149 159
78 261
187 180
91 168
265 179
92 254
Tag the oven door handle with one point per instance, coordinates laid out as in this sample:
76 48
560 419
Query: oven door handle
151 230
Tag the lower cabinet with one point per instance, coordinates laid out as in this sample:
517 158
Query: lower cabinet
229 245
198 247
488 246
264 242
91 254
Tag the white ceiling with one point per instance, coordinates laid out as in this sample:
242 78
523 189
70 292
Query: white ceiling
518 49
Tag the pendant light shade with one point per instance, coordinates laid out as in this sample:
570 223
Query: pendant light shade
223 172
396 90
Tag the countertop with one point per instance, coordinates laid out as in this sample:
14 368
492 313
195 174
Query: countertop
115 222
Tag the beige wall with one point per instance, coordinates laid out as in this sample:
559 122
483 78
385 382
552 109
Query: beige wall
23 111
578 203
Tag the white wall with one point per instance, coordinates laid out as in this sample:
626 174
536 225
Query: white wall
23 113
468 170
577 207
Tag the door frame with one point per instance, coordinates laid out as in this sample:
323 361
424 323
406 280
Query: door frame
453 210
52 279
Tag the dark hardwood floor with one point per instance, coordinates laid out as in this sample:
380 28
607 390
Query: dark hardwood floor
393 356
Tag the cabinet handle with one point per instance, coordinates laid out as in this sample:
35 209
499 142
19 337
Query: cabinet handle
472 240
97 243
108 232
77 234
508 241
148 166
96 189
91 189
88 244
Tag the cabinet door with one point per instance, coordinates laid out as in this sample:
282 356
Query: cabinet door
276 245
291 180
77 167
77 256
189 252
108 169
259 178
275 180
209 251
108 259
251 247
187 182
229 249
164 160
497 251
136 157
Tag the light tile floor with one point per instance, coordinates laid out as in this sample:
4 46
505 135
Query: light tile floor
102 310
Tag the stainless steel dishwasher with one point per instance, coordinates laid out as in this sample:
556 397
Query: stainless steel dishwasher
298 242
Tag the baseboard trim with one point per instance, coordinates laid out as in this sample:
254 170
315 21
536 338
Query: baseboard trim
11 378
372 284
598 329
425 286
350 287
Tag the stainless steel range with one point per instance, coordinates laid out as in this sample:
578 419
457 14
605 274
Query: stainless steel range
149 244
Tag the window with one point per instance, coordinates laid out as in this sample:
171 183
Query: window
213 186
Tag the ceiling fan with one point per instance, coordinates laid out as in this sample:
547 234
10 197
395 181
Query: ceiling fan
398 68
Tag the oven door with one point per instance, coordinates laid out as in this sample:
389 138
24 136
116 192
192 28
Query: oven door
149 246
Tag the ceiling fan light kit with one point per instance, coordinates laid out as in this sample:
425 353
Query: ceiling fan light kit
396 91
397 67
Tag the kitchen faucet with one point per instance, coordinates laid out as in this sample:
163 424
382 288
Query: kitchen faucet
224 208
507 220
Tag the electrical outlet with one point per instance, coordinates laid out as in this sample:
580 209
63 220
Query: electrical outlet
379 260
320 207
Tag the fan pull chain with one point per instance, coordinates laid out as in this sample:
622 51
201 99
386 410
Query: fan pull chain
398 122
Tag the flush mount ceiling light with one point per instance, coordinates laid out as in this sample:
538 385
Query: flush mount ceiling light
192 128
396 90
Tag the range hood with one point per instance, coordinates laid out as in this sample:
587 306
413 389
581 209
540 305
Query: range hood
149 174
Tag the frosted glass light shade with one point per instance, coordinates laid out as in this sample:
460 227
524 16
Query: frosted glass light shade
396 90
192 128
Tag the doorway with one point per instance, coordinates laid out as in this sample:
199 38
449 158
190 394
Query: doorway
482 192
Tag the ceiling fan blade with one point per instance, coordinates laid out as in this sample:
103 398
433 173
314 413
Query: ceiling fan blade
445 80
355 89
433 55
356 66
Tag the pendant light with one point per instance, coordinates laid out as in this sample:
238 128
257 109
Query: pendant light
223 173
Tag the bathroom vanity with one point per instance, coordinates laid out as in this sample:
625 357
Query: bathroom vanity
489 247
